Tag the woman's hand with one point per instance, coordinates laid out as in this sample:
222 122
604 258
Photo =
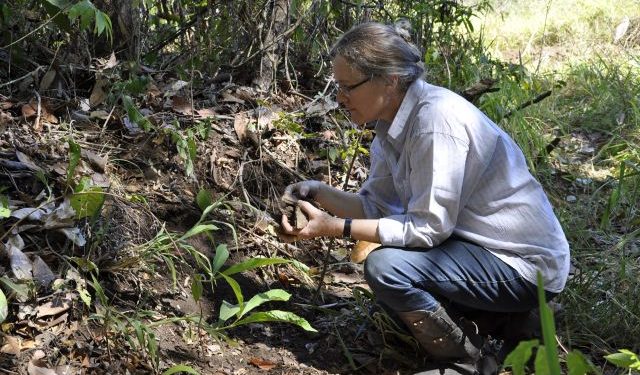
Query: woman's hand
320 224
307 190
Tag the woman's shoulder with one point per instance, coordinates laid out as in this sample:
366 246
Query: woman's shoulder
441 99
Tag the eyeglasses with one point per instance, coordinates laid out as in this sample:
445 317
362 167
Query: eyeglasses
346 90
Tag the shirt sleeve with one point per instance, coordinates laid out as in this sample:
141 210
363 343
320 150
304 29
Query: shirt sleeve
437 170
378 195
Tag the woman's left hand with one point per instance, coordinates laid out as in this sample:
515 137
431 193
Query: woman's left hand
320 224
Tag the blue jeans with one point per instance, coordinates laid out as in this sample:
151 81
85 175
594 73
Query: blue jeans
456 271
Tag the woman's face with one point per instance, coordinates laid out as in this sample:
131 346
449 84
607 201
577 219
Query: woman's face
367 99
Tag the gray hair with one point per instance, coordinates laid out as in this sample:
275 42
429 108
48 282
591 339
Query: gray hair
380 50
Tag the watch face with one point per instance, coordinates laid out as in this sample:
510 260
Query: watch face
346 232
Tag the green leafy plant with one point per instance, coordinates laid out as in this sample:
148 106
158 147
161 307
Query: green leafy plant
4 307
84 13
87 199
186 145
625 359
289 122
74 160
204 199
171 248
180 368
239 312
134 114
242 308
547 360
5 211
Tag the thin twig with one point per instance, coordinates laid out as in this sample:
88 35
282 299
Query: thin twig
353 160
39 112
275 41
325 265
528 103
45 23
359 5
277 245
177 34
39 68
106 121
282 165
544 28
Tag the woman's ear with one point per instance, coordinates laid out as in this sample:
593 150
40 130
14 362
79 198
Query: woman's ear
393 82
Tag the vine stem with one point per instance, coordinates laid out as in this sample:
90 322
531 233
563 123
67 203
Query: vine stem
332 242
45 23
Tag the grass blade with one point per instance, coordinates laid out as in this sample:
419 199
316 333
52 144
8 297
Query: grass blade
277 316
253 263
180 368
222 254
261 298
548 331
4 307
519 357
235 287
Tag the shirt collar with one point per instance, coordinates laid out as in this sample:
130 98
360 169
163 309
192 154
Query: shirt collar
395 131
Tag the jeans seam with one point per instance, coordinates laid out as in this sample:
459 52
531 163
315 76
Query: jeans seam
472 281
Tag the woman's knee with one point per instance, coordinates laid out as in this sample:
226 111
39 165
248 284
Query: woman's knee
381 268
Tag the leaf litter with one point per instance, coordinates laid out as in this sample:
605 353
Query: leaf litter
79 277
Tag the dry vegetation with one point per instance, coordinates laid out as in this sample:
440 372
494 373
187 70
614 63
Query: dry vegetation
139 189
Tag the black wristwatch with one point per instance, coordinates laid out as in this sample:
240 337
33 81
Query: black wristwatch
346 231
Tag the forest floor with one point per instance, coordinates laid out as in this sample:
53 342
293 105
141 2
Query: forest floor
97 294
94 295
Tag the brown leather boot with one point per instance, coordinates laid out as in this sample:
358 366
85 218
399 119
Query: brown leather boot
455 347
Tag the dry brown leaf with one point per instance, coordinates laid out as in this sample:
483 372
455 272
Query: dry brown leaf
181 105
53 308
111 62
361 250
13 345
6 105
228 98
98 95
97 162
42 273
153 91
206 112
26 160
262 363
328 135
20 263
30 110
240 124
37 366
47 80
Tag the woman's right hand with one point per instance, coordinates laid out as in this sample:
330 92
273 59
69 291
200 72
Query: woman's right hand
305 190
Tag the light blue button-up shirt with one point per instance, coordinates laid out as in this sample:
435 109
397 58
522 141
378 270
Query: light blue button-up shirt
443 167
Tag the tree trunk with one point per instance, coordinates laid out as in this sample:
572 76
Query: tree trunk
273 44
126 21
